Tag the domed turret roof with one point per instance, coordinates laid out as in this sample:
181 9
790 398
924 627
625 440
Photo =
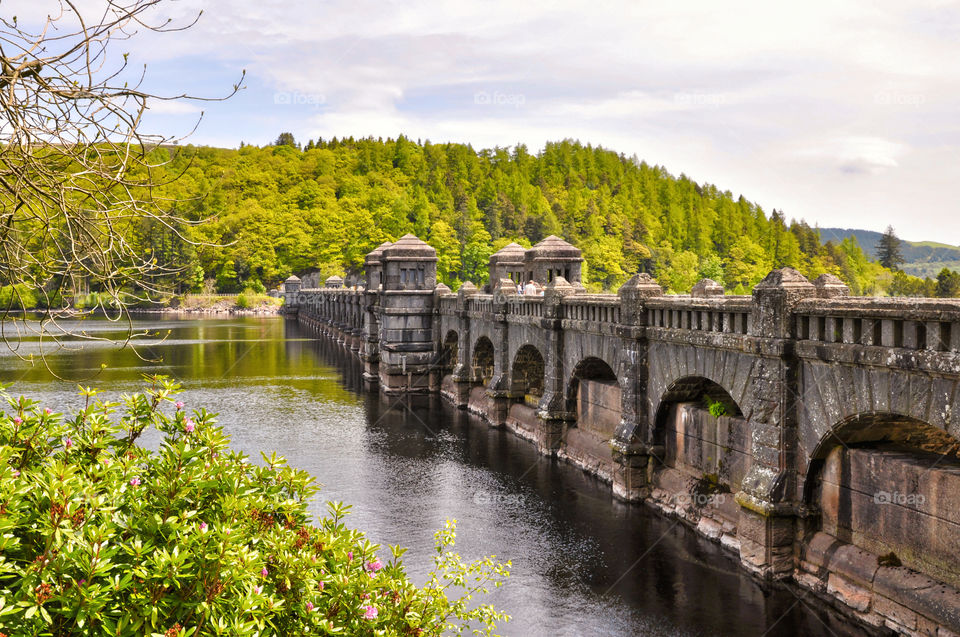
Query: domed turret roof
510 253
511 248
554 247
375 255
409 246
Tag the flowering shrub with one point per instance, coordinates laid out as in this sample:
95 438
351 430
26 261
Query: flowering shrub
100 536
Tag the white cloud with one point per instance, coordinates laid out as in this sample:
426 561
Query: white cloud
839 112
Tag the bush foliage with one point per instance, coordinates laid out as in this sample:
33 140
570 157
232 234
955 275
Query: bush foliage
102 536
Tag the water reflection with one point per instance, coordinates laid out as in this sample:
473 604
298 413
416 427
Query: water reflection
584 563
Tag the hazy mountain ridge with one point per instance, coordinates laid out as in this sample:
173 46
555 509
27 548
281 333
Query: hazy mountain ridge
923 258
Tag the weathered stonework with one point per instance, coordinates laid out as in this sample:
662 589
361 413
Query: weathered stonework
821 403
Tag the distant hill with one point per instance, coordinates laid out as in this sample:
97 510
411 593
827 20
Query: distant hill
923 258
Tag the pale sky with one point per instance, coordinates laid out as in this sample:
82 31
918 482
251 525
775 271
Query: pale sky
842 113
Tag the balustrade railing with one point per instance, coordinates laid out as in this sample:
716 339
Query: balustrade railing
921 324
480 303
531 306
592 308
730 314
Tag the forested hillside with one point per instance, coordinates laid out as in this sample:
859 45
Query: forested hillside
280 209
920 258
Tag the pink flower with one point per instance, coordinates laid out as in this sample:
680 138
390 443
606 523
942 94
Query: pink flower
68 443
16 473
17 420
203 527
309 607
350 556
188 426
46 410
371 612
257 590
135 482
264 572
320 586
178 405
227 531
374 566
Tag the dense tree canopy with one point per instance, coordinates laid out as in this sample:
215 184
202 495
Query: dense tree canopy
278 210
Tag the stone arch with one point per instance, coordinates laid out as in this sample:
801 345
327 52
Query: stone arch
527 373
450 352
693 389
889 483
708 444
483 360
592 395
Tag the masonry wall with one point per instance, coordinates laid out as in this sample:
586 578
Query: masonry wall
699 444
886 500
598 407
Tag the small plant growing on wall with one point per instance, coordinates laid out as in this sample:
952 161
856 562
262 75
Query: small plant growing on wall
716 408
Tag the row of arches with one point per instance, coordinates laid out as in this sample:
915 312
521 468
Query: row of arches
887 482
527 369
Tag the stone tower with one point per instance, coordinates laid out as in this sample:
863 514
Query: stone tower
553 257
508 263
407 350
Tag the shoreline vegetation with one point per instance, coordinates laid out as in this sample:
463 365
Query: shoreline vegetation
104 536
244 303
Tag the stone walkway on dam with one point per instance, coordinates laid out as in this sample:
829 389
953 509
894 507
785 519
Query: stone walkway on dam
811 433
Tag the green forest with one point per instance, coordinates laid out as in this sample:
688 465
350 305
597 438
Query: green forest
264 213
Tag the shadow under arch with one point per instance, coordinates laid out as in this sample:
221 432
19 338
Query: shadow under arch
528 374
691 389
888 484
591 368
450 352
483 360
888 430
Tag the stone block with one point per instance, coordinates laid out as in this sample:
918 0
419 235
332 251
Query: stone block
854 596
710 529
920 593
854 564
810 581
819 548
897 613
730 542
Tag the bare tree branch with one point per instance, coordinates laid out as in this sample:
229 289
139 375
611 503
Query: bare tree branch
78 175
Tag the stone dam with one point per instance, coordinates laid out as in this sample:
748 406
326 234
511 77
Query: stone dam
812 434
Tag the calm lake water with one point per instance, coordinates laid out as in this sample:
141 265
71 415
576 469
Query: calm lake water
583 563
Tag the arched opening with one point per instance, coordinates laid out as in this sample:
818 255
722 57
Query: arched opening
593 396
483 360
449 353
706 442
890 485
527 375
